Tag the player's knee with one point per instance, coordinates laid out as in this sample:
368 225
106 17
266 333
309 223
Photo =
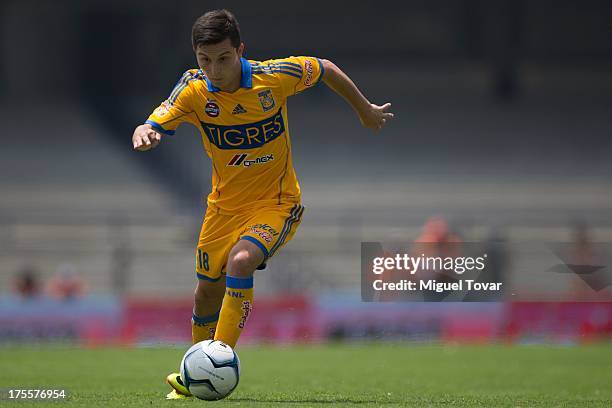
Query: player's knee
241 264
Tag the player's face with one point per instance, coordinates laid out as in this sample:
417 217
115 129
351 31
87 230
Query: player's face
221 63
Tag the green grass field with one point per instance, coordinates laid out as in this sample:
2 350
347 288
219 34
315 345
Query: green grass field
336 375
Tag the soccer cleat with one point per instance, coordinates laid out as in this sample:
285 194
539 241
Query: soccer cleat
174 380
173 395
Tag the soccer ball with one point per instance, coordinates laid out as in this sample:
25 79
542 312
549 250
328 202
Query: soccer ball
210 370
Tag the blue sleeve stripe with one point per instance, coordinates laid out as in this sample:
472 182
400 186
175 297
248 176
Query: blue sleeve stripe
175 93
178 91
256 242
205 319
239 283
290 63
179 84
206 278
276 70
287 67
322 69
158 128
291 73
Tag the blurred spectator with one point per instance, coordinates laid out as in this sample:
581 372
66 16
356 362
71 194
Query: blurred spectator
66 284
27 284
437 240
436 230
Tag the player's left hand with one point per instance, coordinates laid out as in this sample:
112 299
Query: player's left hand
375 116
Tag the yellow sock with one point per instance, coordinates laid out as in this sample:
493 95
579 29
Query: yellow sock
236 308
203 328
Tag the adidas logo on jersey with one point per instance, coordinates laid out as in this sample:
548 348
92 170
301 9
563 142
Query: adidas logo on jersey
238 109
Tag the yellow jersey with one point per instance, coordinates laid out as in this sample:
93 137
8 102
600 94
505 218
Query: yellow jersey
245 133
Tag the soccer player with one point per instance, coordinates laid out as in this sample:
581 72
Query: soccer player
254 209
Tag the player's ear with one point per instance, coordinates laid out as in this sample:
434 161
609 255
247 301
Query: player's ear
241 49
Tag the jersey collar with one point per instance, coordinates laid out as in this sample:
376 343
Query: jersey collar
246 78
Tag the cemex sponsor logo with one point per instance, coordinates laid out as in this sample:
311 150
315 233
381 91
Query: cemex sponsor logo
241 160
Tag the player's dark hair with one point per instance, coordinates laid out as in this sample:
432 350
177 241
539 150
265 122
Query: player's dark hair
215 26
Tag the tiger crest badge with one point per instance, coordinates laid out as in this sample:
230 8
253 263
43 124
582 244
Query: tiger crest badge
266 99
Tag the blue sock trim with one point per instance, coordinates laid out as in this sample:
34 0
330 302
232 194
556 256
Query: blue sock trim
256 242
205 319
238 283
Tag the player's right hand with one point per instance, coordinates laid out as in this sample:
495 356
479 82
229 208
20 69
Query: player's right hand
145 138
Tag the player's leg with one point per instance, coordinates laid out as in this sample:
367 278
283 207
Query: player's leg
208 297
216 239
207 303
242 261
263 235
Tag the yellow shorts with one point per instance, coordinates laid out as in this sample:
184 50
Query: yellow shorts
269 228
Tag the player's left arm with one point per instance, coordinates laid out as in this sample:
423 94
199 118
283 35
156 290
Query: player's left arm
296 74
371 115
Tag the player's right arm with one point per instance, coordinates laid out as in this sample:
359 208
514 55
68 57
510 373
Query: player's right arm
168 116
